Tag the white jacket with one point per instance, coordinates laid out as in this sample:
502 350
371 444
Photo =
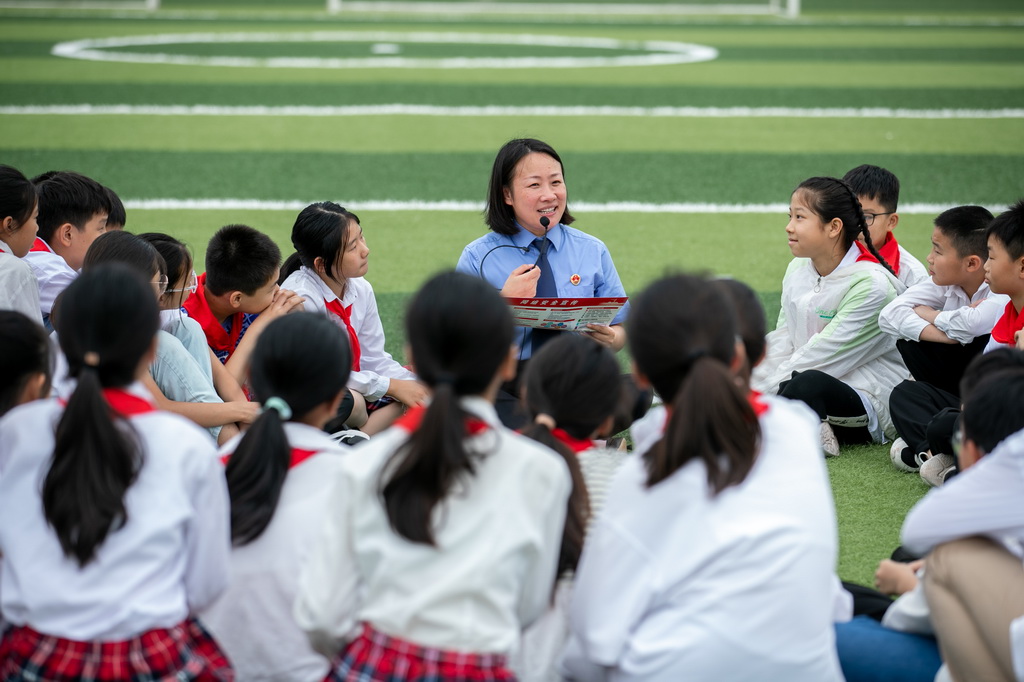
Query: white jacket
830 324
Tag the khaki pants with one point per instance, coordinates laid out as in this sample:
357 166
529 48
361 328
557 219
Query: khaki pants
975 589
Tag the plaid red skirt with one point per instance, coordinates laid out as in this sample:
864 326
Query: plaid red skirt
184 652
376 657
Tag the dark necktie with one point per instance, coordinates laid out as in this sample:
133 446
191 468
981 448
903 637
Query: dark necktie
545 289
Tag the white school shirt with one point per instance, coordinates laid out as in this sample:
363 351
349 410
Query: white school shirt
912 271
53 274
960 319
830 323
676 585
498 535
169 559
19 289
983 500
376 366
252 620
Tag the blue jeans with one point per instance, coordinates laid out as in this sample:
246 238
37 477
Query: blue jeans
870 652
180 375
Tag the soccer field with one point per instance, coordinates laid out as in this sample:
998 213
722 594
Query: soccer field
682 136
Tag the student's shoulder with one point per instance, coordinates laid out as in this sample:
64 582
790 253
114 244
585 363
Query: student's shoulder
531 460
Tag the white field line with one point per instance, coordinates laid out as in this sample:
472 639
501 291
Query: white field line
655 52
513 111
478 207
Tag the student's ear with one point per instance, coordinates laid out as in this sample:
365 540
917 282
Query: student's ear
318 266
739 357
235 299
973 263
508 195
1020 267
894 220
639 378
65 234
834 228
8 224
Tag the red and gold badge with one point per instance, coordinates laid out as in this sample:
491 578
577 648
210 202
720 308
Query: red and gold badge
575 279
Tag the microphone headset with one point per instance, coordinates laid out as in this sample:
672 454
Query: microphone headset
545 223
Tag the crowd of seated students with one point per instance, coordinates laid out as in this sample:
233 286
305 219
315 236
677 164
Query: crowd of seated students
225 475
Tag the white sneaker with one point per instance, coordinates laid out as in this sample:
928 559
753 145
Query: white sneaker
349 437
829 442
935 470
896 457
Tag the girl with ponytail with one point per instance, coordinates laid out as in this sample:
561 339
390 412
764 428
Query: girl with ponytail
443 534
113 515
276 475
827 349
713 557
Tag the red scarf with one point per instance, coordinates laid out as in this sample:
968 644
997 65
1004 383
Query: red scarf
577 445
754 398
199 310
39 246
411 420
1007 325
345 315
298 457
890 251
124 403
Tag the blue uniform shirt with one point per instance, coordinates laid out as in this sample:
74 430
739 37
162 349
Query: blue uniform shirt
570 253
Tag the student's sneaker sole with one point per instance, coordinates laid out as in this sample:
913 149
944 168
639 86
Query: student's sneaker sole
899 453
935 470
829 442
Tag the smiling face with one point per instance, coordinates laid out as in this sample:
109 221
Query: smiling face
19 238
808 235
537 189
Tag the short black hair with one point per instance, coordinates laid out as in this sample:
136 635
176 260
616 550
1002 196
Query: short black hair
987 364
875 183
498 215
68 197
965 227
116 215
993 412
1008 228
240 258
17 196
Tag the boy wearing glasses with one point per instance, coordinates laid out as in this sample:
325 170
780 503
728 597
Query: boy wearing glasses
878 191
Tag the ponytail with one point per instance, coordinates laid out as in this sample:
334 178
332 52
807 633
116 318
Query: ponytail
683 338
300 362
457 354
107 325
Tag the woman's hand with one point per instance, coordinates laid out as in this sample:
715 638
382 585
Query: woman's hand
522 283
613 336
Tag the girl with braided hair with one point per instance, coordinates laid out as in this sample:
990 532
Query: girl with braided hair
827 349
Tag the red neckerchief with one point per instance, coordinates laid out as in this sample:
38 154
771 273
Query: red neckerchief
1010 323
39 246
890 251
344 314
199 310
577 445
754 398
124 403
411 420
298 457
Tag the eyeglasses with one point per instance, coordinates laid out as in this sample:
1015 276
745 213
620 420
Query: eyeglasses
193 284
869 218
160 285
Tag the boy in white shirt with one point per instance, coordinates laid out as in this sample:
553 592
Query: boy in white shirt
73 211
940 325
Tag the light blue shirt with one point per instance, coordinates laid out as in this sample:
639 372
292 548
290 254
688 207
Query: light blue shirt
571 253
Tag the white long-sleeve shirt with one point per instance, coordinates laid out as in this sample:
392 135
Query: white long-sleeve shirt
676 584
169 559
19 289
376 366
498 535
912 271
962 318
830 323
52 272
253 619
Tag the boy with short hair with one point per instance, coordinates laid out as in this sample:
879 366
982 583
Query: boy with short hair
940 325
118 217
73 211
1004 272
238 295
878 191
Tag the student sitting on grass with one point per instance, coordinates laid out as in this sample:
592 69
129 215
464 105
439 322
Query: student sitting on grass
276 477
238 295
940 325
19 208
878 192
73 212
973 530
328 270
827 349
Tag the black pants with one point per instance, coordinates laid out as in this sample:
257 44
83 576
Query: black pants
940 364
924 416
834 401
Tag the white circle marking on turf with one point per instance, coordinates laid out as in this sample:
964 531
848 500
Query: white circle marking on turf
659 52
